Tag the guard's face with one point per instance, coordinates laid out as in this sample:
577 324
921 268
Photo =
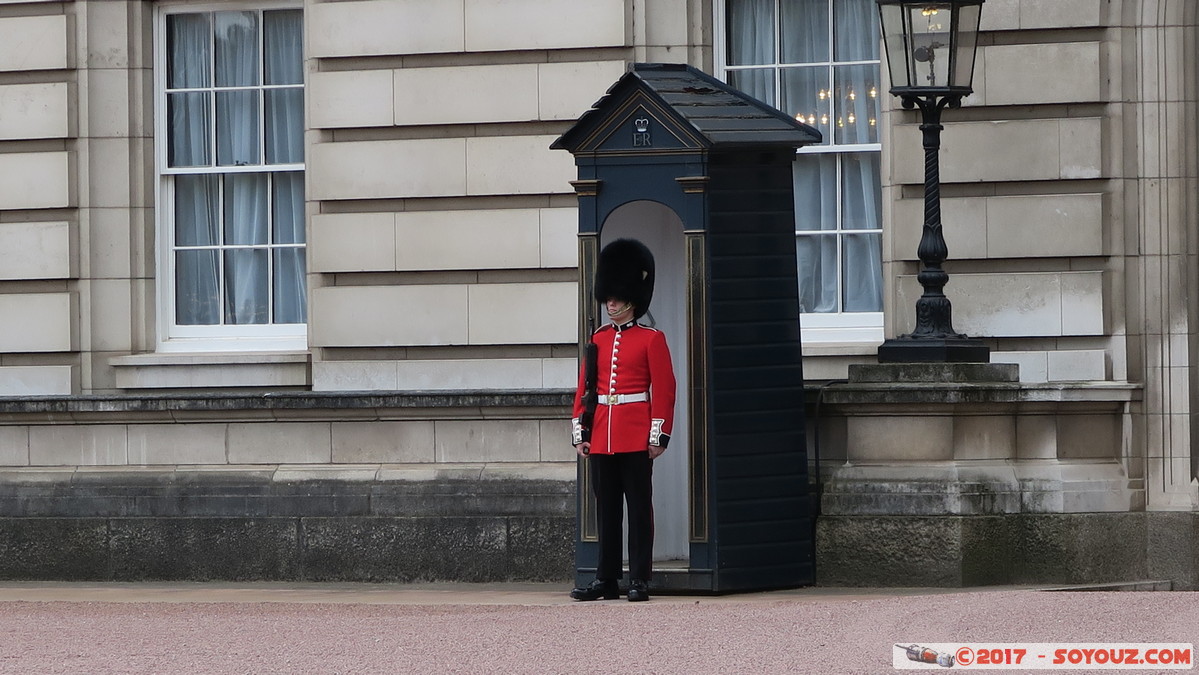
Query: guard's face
620 311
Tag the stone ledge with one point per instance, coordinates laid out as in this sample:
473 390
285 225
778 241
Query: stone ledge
261 492
206 358
955 393
212 370
288 473
359 405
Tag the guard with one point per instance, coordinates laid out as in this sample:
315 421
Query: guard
623 414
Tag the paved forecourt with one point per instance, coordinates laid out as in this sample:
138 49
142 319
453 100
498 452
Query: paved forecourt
535 628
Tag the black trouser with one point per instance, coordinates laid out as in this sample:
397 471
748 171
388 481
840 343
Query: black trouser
620 477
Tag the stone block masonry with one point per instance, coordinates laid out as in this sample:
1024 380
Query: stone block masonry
958 551
287 487
261 525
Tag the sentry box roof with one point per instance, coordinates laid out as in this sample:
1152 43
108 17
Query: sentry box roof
697 110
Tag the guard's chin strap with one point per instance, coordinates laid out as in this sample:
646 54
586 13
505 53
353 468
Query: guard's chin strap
621 310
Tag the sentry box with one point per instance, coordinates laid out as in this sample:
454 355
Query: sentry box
701 173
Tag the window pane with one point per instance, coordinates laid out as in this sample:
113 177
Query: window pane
806 96
196 217
189 61
284 48
815 179
861 191
287 208
855 30
237 128
930 44
805 30
856 102
284 126
197 298
863 272
289 286
236 49
817 258
758 83
963 70
751 30
189 130
245 209
246 286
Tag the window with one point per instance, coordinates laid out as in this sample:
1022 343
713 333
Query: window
818 60
231 166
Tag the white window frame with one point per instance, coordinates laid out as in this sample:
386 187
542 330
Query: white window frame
816 327
224 338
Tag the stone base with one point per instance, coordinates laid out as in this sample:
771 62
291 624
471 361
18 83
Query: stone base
980 487
944 373
957 551
938 350
243 526
341 549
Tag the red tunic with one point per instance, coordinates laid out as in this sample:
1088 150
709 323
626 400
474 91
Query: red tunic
634 361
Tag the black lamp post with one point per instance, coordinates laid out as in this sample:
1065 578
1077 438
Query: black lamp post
930 49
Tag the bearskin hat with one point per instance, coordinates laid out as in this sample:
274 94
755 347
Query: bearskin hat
626 272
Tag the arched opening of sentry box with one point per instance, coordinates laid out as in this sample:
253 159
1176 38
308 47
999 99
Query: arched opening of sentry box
661 229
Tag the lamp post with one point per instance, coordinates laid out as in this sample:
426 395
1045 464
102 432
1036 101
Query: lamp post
930 48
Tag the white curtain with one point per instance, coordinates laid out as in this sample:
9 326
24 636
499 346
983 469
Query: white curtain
859 274
804 30
283 49
246 269
814 177
290 264
237 65
856 38
752 29
197 223
189 66
189 144
855 30
862 252
245 199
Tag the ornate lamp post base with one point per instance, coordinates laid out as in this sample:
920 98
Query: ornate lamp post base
934 339
909 349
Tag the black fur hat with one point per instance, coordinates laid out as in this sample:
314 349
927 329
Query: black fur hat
626 272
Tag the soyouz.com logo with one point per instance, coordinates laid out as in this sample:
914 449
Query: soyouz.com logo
1043 656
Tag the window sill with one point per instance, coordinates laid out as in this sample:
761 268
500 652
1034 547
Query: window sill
271 340
212 370
841 348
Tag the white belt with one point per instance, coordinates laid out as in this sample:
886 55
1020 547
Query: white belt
617 399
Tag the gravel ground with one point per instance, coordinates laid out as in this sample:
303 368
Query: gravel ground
820 632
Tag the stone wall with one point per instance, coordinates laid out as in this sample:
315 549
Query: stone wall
382 487
956 551
283 523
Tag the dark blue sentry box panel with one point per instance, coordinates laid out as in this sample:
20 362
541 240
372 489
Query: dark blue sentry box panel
721 161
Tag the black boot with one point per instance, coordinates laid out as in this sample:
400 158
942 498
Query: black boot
638 591
607 590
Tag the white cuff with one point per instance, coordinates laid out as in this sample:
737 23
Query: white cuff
655 431
576 432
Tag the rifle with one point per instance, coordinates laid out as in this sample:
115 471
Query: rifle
590 394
